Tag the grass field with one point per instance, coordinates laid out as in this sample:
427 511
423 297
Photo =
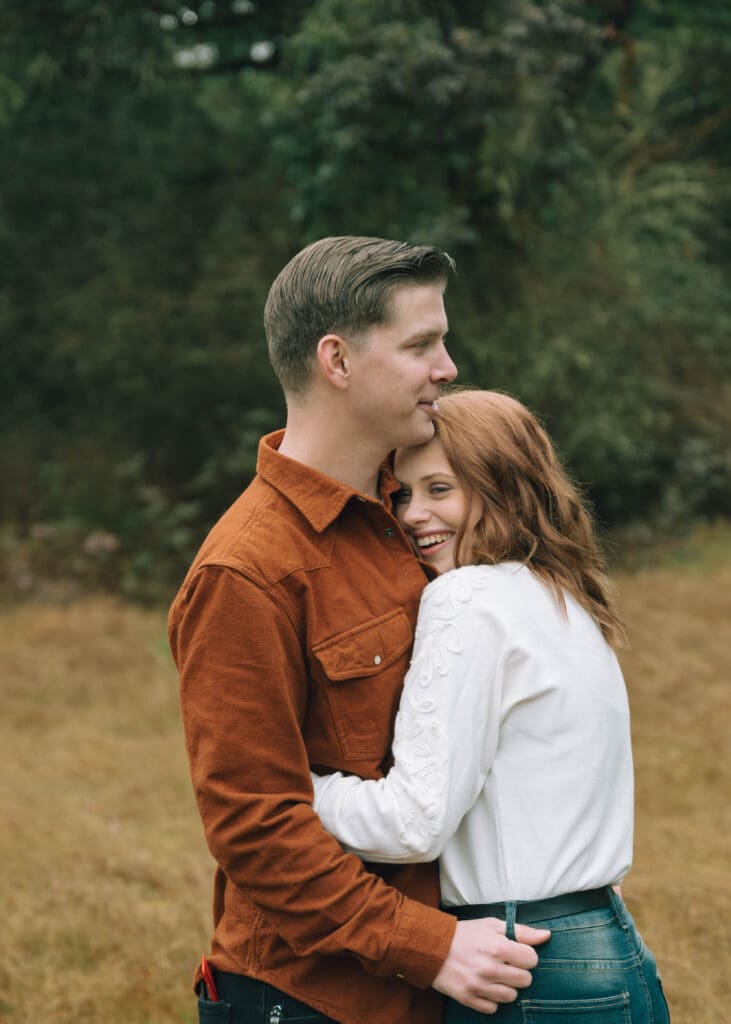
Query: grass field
105 885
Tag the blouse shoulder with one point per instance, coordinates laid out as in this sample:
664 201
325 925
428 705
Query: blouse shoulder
466 584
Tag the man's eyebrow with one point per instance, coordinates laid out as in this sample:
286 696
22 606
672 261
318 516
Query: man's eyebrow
426 332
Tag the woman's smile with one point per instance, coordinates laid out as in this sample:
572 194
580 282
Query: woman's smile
431 505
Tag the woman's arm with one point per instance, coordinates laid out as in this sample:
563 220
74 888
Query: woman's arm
445 736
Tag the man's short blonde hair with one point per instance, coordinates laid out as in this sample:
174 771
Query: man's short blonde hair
339 285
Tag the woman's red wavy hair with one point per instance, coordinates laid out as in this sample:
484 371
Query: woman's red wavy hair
533 513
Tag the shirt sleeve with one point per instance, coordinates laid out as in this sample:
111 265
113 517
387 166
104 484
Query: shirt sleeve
243 687
445 736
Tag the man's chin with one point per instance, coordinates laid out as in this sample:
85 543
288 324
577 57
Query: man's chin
421 434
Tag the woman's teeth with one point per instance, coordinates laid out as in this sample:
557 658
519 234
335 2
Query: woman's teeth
433 538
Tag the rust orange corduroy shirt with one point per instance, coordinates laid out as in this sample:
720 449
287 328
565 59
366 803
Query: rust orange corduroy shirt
292 633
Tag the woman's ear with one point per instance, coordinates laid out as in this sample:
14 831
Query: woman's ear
334 361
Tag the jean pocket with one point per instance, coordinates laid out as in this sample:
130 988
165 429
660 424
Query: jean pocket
288 1010
604 1010
214 1013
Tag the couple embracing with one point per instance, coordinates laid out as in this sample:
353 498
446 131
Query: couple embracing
408 733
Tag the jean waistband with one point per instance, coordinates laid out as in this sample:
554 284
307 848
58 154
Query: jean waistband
530 911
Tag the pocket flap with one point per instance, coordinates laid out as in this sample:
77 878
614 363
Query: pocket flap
366 649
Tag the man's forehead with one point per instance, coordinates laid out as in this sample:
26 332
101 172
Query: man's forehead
423 303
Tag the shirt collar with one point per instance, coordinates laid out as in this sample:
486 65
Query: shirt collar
318 497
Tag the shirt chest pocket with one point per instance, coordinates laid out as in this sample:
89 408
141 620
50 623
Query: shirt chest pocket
362 670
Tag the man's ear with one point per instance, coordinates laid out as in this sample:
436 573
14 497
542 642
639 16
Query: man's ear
333 356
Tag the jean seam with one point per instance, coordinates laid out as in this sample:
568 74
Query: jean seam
565 964
637 954
574 927
646 991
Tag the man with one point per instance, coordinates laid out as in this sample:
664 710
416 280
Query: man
292 634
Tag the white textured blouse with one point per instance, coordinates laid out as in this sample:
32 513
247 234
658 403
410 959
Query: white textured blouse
513 762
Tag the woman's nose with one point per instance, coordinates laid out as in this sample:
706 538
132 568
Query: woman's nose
415 514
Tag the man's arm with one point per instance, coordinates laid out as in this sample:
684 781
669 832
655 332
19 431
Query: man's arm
243 686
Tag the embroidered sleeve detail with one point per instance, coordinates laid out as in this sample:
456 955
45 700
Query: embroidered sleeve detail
421 741
438 742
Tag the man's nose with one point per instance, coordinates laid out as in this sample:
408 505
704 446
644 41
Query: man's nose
444 369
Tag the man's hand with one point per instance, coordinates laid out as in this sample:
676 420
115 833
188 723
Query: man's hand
483 968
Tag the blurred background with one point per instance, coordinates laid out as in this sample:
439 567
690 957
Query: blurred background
160 164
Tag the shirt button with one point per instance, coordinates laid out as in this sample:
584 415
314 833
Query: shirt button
390 532
377 660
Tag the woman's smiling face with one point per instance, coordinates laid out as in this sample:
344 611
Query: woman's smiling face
431 505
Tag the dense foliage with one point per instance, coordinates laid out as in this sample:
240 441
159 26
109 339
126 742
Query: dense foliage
161 163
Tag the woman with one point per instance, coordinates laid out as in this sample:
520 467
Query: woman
512 748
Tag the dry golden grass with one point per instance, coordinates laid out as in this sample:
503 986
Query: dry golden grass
677 672
106 880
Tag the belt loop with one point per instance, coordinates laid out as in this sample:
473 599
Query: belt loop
510 909
617 904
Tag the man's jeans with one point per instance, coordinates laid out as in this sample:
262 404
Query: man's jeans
248 1001
595 969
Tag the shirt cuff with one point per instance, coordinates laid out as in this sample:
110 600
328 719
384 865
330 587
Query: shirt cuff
419 945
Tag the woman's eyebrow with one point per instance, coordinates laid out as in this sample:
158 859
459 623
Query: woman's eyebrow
429 476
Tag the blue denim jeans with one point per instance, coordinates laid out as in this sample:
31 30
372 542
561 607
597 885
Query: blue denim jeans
245 1000
595 969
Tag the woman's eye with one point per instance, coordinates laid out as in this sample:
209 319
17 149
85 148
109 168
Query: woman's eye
401 497
440 489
